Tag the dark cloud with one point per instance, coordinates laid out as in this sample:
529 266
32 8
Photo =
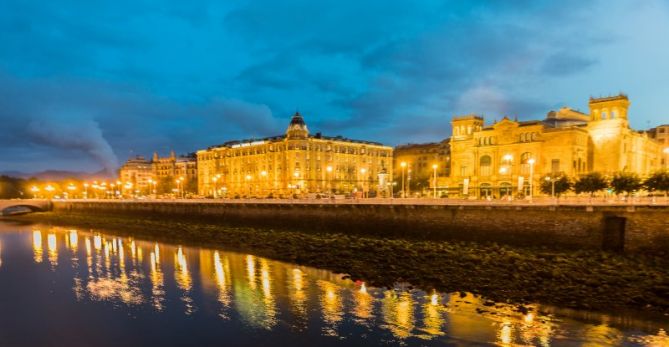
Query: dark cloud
142 75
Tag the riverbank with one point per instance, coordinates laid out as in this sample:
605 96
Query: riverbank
584 279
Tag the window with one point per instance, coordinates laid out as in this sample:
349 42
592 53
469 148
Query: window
463 171
555 166
485 163
525 163
604 115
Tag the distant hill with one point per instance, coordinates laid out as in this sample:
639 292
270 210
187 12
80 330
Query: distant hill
58 175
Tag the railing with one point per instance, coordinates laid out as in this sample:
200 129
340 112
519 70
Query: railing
542 201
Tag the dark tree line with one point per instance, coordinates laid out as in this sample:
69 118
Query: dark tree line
621 183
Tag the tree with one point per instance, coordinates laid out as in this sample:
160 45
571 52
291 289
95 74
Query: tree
556 184
626 182
658 181
590 183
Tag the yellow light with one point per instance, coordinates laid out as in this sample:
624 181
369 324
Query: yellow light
666 150
49 188
248 177
507 157
329 169
34 189
403 164
531 161
363 170
503 170
435 166
263 173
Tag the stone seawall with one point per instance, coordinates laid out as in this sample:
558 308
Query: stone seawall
638 228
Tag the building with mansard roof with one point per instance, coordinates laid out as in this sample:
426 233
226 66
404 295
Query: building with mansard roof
296 163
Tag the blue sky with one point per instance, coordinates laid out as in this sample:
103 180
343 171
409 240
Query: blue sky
83 86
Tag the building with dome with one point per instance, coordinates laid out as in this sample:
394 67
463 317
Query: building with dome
295 163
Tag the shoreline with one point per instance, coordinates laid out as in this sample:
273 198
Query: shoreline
582 279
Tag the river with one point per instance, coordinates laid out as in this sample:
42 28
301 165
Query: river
68 287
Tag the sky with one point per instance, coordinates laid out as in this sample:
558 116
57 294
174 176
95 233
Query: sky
85 85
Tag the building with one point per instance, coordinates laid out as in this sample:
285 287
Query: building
295 163
417 163
175 173
138 172
661 135
509 157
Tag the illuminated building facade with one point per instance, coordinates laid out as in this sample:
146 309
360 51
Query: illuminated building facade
138 172
294 163
419 162
500 159
167 170
661 135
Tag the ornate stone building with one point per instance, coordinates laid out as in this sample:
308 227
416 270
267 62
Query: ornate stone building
294 163
138 172
502 158
167 170
160 175
419 160
661 135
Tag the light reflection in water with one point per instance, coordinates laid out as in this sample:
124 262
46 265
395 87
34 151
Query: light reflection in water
52 249
38 254
183 278
256 290
363 302
331 305
398 313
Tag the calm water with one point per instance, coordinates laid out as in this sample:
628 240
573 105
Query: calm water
68 287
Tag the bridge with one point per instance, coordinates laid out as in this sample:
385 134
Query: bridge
21 206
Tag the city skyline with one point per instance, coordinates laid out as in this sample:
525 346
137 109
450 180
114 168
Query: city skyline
81 87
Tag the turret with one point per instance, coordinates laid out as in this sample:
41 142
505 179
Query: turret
297 129
608 108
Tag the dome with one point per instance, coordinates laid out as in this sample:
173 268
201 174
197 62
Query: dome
297 127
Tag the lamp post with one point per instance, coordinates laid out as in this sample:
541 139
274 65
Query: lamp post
364 180
552 180
49 188
85 190
215 179
35 190
403 165
71 188
531 162
329 171
263 174
248 183
434 168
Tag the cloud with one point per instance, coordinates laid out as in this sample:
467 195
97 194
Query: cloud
84 136
172 76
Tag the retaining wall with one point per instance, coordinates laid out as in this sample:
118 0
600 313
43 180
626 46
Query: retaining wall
634 228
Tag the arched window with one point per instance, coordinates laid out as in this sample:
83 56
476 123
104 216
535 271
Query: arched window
486 165
505 189
525 163
485 190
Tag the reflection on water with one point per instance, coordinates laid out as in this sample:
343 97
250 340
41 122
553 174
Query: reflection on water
241 291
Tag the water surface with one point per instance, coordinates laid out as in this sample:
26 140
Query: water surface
70 287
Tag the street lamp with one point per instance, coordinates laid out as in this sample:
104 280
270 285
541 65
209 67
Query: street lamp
434 168
35 190
248 183
329 171
215 179
364 180
263 174
49 188
403 165
531 162
552 180
85 190
71 188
